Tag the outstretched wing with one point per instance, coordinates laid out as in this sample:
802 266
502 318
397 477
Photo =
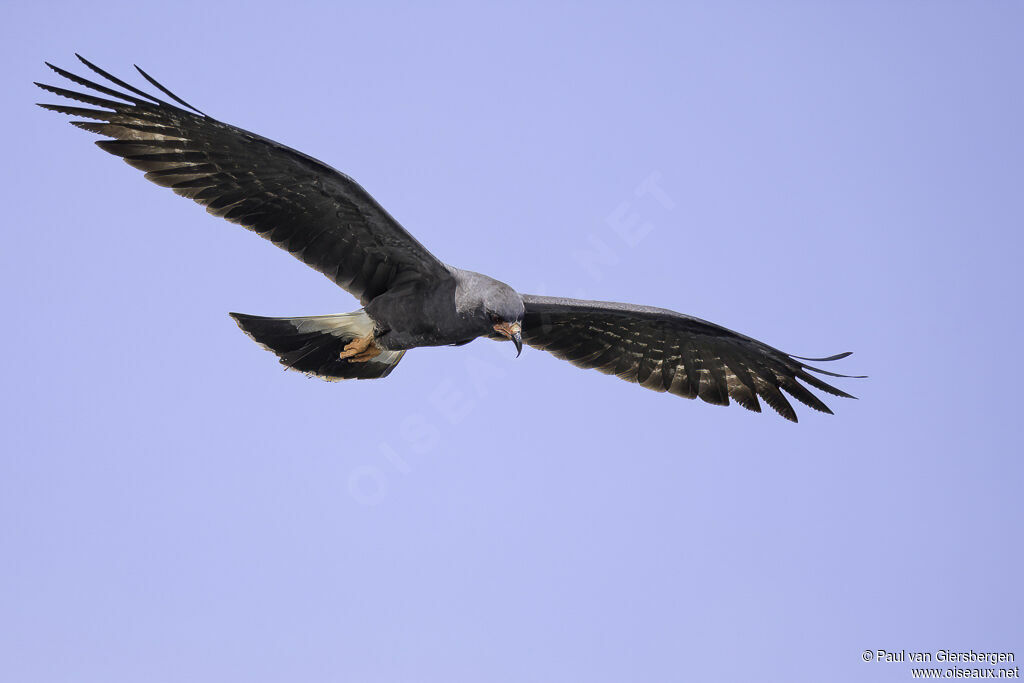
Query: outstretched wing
668 351
319 215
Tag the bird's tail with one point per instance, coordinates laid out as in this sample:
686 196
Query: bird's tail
315 344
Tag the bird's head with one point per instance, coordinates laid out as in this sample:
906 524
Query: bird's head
495 308
505 315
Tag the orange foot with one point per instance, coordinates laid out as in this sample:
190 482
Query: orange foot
360 350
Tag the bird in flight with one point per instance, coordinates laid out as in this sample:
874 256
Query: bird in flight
410 298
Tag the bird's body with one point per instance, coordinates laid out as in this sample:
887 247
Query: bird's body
453 312
410 298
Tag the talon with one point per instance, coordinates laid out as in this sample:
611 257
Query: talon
360 350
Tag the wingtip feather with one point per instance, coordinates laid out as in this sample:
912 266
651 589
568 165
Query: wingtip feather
838 356
165 91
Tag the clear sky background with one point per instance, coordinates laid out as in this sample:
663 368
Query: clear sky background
839 176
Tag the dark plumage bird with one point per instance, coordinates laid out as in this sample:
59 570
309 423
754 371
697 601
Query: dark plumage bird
409 297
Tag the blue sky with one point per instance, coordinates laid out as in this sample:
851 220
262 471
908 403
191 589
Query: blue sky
833 176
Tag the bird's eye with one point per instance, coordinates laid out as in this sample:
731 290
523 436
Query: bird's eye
495 318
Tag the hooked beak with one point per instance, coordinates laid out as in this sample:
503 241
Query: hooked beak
511 331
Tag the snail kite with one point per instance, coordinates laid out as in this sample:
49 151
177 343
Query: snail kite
409 298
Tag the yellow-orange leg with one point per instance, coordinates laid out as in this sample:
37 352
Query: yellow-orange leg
360 350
